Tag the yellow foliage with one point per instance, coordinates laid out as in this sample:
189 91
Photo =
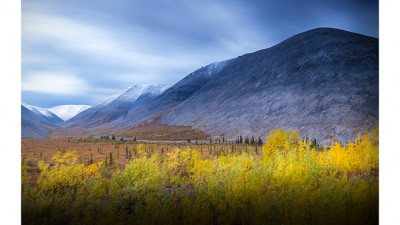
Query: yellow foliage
290 183
67 173
280 143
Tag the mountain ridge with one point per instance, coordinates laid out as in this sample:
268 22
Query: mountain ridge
322 82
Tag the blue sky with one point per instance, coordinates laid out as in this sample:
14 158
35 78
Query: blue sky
81 51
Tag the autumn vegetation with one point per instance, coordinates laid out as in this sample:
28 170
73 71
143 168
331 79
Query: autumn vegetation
286 181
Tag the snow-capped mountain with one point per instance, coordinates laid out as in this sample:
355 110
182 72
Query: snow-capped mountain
115 108
43 113
66 112
33 125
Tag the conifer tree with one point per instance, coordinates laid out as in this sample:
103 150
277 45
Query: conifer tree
111 159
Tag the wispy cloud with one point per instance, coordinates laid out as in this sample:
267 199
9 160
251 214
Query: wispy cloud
54 83
108 46
97 43
103 58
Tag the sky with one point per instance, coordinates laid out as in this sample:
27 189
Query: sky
82 51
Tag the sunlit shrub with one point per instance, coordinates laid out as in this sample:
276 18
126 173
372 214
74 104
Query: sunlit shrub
65 192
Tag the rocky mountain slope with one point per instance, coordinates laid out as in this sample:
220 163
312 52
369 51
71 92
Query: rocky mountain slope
323 82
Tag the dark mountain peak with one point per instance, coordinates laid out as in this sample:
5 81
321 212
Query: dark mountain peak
322 32
326 52
317 39
323 82
325 36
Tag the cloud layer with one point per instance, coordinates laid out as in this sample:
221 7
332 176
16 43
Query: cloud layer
53 83
93 49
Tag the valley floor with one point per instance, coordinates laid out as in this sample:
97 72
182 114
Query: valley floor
97 150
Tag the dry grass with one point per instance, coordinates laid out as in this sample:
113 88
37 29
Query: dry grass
44 149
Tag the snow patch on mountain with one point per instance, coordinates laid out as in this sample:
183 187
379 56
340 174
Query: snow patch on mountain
155 89
66 112
216 67
133 93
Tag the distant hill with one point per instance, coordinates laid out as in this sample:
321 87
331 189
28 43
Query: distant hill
35 126
43 113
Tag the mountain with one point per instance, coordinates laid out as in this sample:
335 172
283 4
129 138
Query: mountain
33 125
116 107
79 119
43 113
176 94
66 112
323 82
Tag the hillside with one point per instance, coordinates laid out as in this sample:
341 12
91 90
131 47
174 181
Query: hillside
43 113
34 126
323 82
